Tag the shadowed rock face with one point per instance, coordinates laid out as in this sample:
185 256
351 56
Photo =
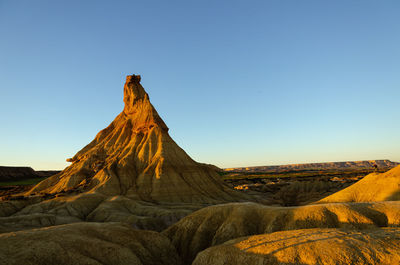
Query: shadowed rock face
136 157
16 173
87 243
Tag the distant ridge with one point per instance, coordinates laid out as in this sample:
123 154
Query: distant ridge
14 173
367 164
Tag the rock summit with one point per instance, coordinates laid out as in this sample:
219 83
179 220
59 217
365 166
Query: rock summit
135 157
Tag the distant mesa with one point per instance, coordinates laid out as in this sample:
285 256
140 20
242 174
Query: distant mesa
352 165
135 156
8 173
16 173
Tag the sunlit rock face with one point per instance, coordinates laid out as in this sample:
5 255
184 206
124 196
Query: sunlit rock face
214 225
132 172
373 187
309 246
135 156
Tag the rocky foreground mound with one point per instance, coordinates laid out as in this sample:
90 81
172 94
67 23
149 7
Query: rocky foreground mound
86 243
309 246
373 187
215 225
235 233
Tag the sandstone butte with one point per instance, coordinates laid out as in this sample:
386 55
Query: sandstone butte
133 175
135 157
132 172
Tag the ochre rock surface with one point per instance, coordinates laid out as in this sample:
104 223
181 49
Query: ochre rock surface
86 243
217 224
373 187
136 157
309 246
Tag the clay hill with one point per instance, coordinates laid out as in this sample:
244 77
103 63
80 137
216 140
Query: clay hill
132 172
337 166
136 157
373 187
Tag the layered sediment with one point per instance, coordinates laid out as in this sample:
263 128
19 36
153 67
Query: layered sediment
136 157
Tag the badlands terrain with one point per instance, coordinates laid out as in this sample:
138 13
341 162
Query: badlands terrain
133 196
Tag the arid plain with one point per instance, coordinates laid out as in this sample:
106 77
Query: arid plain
133 196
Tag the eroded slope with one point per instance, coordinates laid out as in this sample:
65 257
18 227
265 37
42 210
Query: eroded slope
309 247
86 243
217 224
136 157
373 187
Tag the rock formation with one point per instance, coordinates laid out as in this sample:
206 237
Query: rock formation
309 246
86 243
132 172
135 156
373 187
217 224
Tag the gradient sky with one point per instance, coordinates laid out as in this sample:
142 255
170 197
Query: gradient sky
239 83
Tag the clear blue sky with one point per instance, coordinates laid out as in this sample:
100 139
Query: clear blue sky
239 83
